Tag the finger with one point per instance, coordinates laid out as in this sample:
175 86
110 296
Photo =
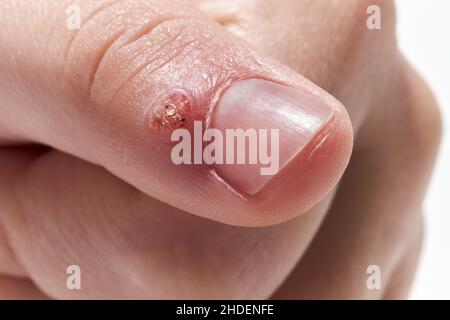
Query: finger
100 93
19 289
61 211
13 161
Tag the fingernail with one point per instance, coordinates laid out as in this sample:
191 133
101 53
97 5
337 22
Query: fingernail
284 120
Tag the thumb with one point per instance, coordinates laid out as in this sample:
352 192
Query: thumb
155 92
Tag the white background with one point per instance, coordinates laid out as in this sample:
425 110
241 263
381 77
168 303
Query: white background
424 37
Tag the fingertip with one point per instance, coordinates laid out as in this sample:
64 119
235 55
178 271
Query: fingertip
308 178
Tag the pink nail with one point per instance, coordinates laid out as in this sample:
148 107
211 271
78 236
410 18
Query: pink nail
284 117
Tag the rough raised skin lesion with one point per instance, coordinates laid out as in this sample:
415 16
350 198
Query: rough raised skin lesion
172 113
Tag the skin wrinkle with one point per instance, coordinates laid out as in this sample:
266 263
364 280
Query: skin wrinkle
184 48
101 54
99 10
130 33
104 53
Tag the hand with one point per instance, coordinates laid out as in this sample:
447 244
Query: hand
105 195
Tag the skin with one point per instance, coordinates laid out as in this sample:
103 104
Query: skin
139 235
